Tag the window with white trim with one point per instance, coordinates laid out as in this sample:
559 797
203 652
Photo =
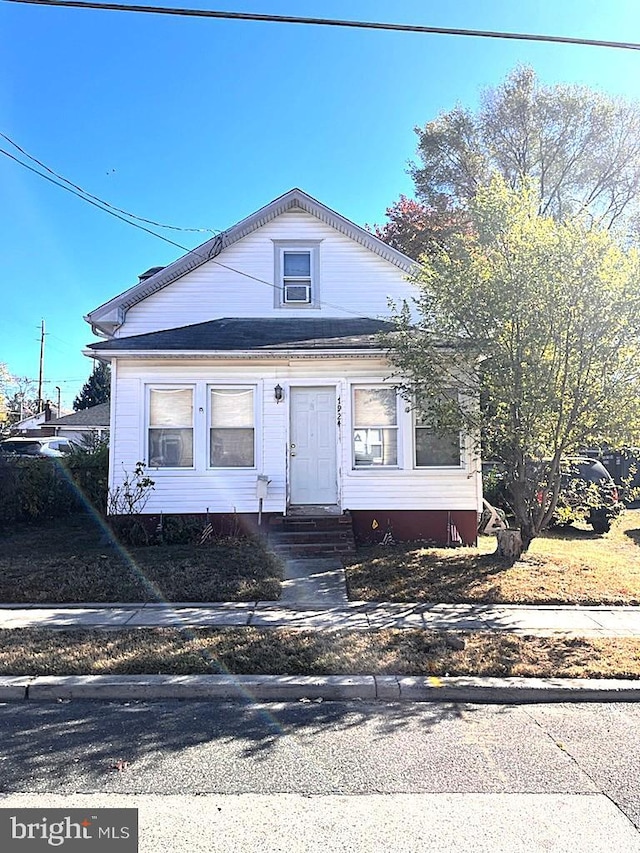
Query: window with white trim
232 427
375 427
296 277
436 447
297 273
170 432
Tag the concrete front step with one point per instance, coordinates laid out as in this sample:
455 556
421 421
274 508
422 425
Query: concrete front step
312 549
283 523
296 537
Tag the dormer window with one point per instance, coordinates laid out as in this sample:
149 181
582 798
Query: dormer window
296 279
297 274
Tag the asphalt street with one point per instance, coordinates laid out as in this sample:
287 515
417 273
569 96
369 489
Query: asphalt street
343 776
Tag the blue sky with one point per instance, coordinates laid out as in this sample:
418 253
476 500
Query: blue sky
197 123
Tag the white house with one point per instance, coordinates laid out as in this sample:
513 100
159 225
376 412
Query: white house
37 424
256 357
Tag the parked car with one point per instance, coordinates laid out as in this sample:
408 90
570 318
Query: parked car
587 491
624 466
587 488
52 446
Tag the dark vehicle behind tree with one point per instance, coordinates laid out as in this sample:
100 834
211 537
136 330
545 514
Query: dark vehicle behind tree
588 492
624 466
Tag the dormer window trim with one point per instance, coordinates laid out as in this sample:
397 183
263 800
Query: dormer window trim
296 288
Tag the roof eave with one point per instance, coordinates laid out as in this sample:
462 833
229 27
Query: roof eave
106 322
353 352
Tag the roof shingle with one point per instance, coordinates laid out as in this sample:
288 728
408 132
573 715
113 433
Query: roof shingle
268 333
94 416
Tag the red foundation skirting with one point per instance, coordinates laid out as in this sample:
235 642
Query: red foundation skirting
439 526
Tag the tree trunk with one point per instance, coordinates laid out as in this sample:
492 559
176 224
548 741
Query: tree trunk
509 545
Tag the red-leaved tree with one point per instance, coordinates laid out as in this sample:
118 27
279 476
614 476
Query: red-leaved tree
418 229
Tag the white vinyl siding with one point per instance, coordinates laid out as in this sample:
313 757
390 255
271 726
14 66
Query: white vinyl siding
233 489
352 280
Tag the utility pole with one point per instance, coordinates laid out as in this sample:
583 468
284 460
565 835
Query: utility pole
41 371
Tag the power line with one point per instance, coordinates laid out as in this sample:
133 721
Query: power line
216 248
90 201
34 381
62 340
95 197
328 22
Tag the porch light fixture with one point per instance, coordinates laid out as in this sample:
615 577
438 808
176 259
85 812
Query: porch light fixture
278 393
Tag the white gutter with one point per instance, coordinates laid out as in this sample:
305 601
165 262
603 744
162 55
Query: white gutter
230 354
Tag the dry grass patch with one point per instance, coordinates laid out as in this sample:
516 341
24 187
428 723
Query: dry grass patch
568 566
289 652
69 562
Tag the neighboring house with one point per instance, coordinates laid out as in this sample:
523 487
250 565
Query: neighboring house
90 424
257 355
31 424
34 425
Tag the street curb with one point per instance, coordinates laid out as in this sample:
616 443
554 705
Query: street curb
248 687
14 687
513 690
286 688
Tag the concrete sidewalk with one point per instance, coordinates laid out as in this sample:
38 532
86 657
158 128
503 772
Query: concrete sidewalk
548 620
524 620
318 581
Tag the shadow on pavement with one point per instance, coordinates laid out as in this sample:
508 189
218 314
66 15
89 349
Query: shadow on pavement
103 746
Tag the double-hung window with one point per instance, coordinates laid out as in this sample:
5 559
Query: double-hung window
436 447
232 427
297 273
170 439
375 427
296 277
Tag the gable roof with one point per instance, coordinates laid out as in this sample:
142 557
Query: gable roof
108 317
94 416
240 334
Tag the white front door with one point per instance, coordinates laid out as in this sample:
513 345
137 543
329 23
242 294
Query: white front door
312 446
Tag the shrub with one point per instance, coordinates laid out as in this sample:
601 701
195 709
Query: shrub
182 530
89 468
33 490
41 489
125 504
